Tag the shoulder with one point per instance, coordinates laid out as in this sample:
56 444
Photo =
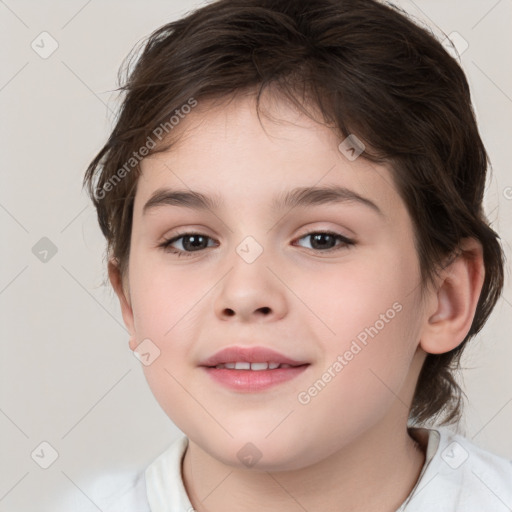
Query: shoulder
461 476
142 489
110 492
459 454
128 494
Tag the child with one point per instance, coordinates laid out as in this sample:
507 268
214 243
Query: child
305 375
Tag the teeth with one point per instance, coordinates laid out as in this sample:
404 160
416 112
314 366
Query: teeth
259 366
243 365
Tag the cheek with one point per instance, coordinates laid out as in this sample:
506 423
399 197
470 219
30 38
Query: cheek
164 312
163 298
353 296
369 317
167 309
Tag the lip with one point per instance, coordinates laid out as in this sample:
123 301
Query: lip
251 355
250 380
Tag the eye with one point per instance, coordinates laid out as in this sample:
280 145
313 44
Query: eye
325 241
321 241
190 242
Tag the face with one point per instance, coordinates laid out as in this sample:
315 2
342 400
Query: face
329 283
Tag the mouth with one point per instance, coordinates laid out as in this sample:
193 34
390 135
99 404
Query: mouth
251 369
250 358
256 367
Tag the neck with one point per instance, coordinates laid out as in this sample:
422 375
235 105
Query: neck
376 472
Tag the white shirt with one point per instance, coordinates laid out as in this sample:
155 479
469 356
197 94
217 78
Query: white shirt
457 477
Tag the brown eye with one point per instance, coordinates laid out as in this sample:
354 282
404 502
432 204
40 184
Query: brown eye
325 241
190 242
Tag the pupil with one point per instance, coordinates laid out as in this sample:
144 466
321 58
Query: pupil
195 241
318 237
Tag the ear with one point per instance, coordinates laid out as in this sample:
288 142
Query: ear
126 309
452 304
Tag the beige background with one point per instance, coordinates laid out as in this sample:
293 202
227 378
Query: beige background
67 374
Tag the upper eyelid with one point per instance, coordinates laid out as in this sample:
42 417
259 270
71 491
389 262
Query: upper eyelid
306 233
168 241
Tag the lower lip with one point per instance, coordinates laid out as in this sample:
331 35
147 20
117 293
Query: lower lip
251 380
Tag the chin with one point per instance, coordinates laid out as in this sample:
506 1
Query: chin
256 453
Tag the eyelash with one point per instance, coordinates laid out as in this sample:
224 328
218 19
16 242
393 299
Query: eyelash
166 244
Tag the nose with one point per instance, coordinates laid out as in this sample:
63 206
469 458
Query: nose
251 292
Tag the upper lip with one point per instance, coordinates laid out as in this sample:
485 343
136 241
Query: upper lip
249 355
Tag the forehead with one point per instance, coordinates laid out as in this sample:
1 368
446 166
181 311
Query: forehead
229 154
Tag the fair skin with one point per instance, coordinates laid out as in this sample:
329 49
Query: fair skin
348 448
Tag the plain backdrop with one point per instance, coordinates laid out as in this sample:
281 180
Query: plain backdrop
68 377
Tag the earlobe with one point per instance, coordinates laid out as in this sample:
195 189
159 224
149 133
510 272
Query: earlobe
126 309
455 300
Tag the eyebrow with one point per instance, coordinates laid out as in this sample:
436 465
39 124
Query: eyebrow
297 197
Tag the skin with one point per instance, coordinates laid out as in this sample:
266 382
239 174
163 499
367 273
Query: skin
348 448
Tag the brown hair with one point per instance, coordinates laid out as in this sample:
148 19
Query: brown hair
371 72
